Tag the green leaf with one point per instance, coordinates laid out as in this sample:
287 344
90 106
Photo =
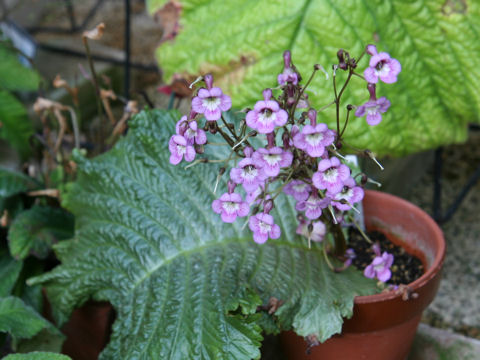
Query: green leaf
34 231
43 341
37 355
182 281
9 271
435 40
13 183
13 75
15 126
20 320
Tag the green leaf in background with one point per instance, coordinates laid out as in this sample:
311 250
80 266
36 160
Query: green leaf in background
37 355
43 341
35 230
184 284
15 126
13 75
20 320
13 183
241 43
9 271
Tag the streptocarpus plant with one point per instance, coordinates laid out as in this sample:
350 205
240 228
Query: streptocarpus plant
295 154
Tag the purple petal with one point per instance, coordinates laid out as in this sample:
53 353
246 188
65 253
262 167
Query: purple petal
236 175
201 137
314 213
374 118
217 206
375 59
260 238
383 103
190 153
275 232
175 159
360 111
369 272
197 105
244 209
225 102
215 92
370 75
282 118
228 218
251 119
384 275
212 115
203 93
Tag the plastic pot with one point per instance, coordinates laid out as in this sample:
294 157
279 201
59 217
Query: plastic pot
383 325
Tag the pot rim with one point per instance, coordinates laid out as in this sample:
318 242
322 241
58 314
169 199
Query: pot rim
439 256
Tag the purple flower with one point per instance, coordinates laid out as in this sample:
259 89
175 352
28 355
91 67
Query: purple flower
331 175
248 173
298 189
263 227
318 232
211 101
179 148
190 131
266 114
230 206
288 74
313 206
350 193
314 137
373 109
380 267
350 255
382 67
271 160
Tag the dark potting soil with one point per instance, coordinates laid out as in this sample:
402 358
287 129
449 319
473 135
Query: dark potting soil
406 267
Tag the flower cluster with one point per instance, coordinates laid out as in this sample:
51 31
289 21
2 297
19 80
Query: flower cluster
293 153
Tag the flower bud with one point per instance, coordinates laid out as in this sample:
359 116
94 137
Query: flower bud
208 81
341 59
312 115
268 206
372 90
350 107
231 186
199 149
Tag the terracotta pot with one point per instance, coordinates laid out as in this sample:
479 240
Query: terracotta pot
87 331
383 326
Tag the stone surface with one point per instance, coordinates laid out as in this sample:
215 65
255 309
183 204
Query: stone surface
437 344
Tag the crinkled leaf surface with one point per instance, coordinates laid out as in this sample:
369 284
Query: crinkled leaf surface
184 284
37 355
241 43
20 320
35 230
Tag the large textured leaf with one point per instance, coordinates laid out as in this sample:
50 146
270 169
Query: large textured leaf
20 320
37 355
13 75
184 284
242 42
15 127
37 229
